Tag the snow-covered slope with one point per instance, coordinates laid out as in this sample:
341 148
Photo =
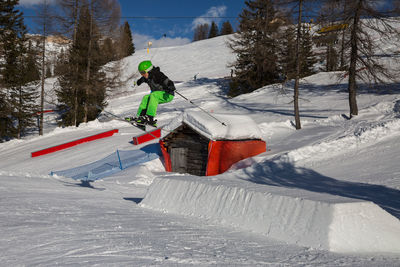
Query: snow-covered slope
47 220
206 59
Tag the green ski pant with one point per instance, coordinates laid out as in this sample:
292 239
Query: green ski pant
150 102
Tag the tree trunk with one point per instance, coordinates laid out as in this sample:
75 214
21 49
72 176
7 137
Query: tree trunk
352 87
43 80
89 63
296 83
342 50
19 114
328 57
75 14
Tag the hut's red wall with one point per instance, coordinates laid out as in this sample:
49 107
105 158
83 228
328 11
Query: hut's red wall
167 158
223 154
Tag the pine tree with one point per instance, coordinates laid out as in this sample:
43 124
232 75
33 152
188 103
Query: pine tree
61 66
126 46
308 58
213 30
6 125
287 56
18 99
24 99
331 58
226 28
48 72
80 94
32 69
70 94
5 110
256 48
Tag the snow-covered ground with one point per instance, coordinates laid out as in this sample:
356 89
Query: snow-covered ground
49 221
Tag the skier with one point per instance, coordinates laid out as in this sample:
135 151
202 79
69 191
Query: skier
162 91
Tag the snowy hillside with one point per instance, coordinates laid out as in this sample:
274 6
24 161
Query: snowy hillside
325 195
55 45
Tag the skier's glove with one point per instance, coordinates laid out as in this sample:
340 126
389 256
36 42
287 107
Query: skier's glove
171 89
140 81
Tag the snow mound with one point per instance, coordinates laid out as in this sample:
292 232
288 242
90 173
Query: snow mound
315 220
364 134
213 129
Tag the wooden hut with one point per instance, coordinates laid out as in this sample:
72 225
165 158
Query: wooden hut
197 144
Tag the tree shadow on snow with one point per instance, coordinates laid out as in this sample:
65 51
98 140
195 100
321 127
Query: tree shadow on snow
362 88
305 113
287 175
221 83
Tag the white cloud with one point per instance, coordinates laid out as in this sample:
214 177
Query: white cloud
215 11
140 41
35 2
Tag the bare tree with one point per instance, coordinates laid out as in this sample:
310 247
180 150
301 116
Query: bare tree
328 35
344 36
45 20
298 63
68 19
365 20
89 58
295 8
201 32
107 15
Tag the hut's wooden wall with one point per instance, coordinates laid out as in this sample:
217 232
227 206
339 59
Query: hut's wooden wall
188 151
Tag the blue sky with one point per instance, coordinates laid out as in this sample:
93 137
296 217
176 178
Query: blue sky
177 30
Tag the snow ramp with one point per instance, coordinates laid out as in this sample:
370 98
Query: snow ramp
295 216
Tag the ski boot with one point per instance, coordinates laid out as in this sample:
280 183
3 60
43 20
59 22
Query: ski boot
149 120
142 121
138 122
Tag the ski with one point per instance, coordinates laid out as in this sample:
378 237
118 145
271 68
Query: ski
135 124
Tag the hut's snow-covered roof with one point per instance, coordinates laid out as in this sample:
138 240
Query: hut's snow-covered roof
238 127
